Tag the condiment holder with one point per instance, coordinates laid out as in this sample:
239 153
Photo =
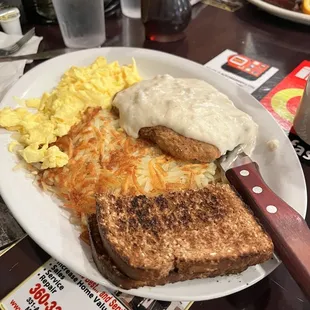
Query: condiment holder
10 21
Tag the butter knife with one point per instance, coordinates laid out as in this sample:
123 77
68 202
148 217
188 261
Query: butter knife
40 55
287 229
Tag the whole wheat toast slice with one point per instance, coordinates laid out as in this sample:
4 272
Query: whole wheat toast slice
208 231
109 270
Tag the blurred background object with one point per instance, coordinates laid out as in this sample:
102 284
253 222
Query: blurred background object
302 117
133 32
165 21
3 5
39 11
131 8
45 10
112 8
42 11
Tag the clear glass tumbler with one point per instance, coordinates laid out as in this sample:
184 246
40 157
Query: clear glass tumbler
131 8
81 22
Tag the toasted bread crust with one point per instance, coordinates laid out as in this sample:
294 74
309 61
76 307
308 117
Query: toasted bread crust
130 261
109 270
179 146
207 231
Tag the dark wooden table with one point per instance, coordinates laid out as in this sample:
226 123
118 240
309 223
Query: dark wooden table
248 31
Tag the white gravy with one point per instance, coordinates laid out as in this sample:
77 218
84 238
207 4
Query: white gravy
190 107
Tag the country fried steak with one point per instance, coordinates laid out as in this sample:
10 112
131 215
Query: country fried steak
179 146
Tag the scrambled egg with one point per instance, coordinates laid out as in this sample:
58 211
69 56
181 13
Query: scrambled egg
56 112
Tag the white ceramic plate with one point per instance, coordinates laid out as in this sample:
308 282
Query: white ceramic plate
48 225
281 12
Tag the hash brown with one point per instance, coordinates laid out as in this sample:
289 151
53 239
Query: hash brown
103 158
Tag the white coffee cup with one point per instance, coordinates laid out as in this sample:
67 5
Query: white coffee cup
10 21
302 119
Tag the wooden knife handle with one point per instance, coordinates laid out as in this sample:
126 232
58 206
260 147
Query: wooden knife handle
287 229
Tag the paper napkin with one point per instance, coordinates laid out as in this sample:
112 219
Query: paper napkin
10 72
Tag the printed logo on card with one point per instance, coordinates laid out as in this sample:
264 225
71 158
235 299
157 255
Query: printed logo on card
283 100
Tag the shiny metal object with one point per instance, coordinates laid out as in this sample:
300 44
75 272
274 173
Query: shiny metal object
165 21
18 45
235 158
39 56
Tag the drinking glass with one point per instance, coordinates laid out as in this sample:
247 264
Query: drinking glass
81 22
165 20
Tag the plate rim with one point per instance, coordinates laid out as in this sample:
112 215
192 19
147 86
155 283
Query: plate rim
282 12
137 292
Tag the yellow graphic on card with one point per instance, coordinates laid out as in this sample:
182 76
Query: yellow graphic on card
280 100
283 100
227 5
